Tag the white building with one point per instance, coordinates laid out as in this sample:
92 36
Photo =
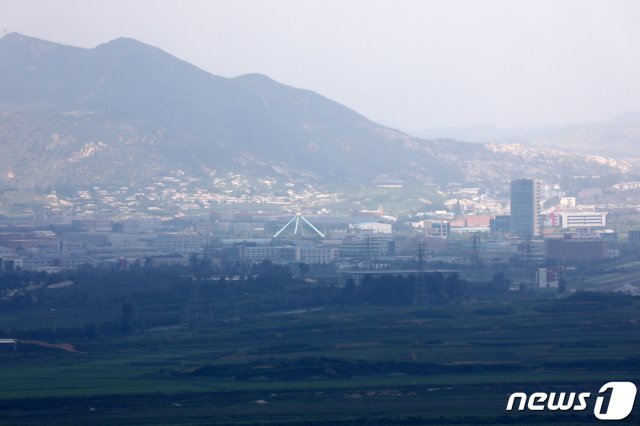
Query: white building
580 219
375 227
316 254
626 186
547 278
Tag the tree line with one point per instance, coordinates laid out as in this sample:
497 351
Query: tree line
397 290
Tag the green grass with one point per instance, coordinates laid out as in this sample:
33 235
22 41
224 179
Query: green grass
567 344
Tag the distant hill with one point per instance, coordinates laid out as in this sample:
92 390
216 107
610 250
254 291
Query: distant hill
618 137
124 112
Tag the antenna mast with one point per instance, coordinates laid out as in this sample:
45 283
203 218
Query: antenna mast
296 220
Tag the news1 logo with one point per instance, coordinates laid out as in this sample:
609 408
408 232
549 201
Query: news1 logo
620 397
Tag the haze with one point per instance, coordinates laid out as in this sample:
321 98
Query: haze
410 64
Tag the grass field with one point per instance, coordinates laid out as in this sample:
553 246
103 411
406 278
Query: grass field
449 365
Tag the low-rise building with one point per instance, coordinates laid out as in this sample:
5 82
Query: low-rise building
374 227
634 237
316 254
500 225
436 228
179 242
167 260
10 263
366 245
548 277
572 248
578 219
272 253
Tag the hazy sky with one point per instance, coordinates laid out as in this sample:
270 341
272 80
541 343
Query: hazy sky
409 64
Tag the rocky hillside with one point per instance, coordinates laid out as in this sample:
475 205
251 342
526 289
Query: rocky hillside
124 112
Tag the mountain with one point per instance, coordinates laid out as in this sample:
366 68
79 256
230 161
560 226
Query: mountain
618 137
125 112
479 133
627 118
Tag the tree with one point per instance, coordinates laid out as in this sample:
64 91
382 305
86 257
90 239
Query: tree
562 285
501 281
349 292
436 287
90 331
454 286
127 324
303 269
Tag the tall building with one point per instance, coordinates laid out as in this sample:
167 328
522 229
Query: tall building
525 207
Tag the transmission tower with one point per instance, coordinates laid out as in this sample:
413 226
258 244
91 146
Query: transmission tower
475 258
527 260
420 292
194 305
368 253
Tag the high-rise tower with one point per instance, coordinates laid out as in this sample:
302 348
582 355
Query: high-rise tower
525 207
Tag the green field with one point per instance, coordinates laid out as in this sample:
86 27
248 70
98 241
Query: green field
363 365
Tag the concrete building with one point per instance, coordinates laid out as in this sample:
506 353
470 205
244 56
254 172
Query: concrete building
572 248
410 246
168 260
141 226
179 242
316 254
374 227
577 219
569 202
496 252
608 235
92 225
84 240
525 207
436 228
55 263
272 253
35 241
10 263
626 186
500 225
548 278
366 245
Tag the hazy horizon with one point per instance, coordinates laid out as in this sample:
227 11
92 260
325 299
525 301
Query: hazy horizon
414 65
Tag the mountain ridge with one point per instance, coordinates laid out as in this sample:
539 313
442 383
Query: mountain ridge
127 111
620 134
